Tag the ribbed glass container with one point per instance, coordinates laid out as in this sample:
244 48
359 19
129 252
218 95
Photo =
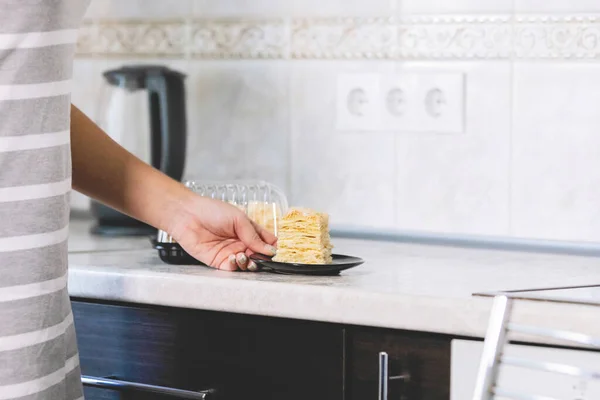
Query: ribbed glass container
263 202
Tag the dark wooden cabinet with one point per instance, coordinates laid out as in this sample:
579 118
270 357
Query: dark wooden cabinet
241 356
253 357
418 364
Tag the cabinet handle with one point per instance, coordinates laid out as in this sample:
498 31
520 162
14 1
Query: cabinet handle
384 377
119 385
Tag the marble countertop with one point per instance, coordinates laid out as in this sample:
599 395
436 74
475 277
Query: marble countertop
401 286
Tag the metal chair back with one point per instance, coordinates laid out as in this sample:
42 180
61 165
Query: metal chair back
496 339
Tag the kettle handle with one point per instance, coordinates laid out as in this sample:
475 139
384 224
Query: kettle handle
167 122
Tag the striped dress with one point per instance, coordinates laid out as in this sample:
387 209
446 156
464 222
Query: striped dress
38 350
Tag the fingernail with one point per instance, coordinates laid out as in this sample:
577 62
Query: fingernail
232 259
252 266
271 250
243 258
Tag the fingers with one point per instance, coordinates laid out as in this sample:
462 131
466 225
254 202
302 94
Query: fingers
235 261
251 264
252 267
228 264
265 235
251 237
242 261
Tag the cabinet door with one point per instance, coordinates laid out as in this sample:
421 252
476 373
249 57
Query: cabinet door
100 394
418 365
136 344
248 357
240 356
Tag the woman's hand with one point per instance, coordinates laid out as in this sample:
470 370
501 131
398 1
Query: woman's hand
214 232
219 234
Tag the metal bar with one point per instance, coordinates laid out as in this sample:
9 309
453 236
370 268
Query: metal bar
574 337
492 348
472 241
533 295
520 396
118 385
551 367
383 376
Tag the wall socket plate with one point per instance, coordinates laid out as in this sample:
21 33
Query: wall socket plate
440 102
399 106
358 102
411 101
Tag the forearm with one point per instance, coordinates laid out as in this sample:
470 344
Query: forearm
103 170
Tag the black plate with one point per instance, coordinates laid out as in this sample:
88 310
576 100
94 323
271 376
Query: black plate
340 263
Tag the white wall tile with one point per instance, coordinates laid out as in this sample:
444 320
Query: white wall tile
238 121
545 6
347 174
406 7
88 82
237 8
275 120
300 8
139 9
336 8
556 151
458 183
87 79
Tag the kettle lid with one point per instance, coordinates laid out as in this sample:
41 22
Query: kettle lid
134 77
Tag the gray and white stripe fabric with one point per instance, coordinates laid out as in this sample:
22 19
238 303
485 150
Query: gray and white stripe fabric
38 348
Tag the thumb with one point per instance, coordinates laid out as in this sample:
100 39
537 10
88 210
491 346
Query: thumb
248 234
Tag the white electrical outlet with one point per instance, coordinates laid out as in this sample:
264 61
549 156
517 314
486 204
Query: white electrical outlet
358 102
410 101
398 103
440 99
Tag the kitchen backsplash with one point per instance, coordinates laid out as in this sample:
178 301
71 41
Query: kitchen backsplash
261 93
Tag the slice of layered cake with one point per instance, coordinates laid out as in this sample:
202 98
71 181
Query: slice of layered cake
303 238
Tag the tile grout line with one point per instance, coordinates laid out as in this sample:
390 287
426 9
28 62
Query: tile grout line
189 42
513 57
394 5
290 134
287 28
287 56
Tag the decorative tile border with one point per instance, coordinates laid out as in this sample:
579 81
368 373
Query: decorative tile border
552 37
196 38
132 38
460 37
343 38
238 39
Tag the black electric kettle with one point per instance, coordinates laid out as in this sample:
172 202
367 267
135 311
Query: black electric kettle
143 109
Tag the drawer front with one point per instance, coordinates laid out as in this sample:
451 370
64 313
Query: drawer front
130 343
107 394
418 365
134 344
101 394
240 356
